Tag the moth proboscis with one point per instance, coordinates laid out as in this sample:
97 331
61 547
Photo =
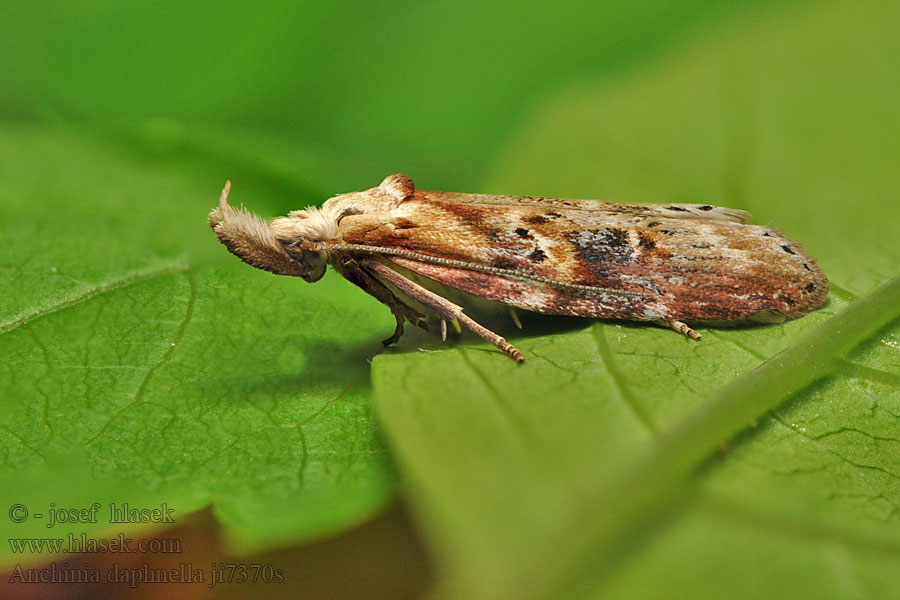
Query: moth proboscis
664 263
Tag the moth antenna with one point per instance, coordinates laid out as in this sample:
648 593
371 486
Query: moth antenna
249 237
681 328
223 197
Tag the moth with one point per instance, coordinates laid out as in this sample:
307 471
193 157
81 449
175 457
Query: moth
667 264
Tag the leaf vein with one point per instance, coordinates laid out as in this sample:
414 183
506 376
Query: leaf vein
620 380
164 359
880 493
129 279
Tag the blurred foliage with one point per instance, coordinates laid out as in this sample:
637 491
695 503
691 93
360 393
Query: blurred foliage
134 347
369 87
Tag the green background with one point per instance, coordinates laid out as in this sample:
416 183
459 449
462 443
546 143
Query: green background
140 362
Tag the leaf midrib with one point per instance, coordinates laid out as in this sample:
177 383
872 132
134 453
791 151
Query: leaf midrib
655 476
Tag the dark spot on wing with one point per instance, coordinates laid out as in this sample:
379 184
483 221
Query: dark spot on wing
676 208
465 212
652 223
536 219
522 232
705 207
602 246
806 266
618 238
503 263
809 286
788 250
646 242
537 256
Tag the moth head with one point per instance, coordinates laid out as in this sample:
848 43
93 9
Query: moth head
255 242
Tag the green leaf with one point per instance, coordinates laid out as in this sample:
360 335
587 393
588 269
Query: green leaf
143 363
593 469
260 406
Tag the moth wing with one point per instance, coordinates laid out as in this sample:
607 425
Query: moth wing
672 211
605 262
522 293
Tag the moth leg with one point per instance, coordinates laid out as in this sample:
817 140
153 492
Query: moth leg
456 328
443 307
681 328
398 332
351 270
515 317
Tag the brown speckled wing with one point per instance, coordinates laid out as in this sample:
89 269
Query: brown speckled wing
693 262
